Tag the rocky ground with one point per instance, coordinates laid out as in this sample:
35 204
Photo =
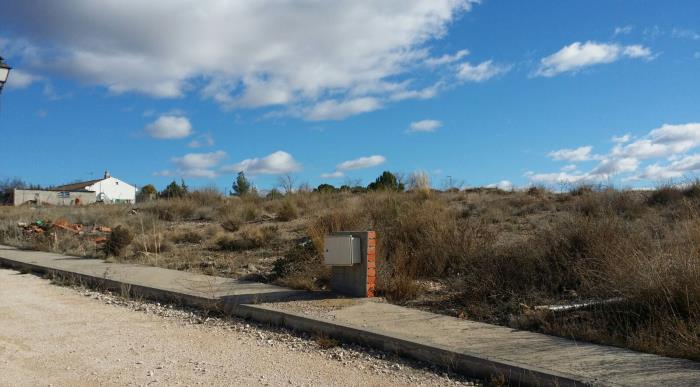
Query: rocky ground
56 335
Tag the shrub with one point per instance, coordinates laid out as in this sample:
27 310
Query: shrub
287 211
189 236
231 223
250 238
664 196
119 239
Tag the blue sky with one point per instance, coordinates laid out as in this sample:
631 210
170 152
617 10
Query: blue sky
502 93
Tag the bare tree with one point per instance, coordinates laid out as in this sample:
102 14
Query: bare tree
286 183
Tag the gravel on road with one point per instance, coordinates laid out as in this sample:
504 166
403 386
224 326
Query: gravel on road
57 335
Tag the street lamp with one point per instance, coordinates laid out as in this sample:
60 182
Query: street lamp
4 73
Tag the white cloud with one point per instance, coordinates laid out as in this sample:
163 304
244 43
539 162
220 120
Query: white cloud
614 166
198 165
203 140
447 59
669 142
334 110
275 163
569 168
579 154
624 30
169 127
662 142
505 185
424 126
557 178
621 139
248 53
637 51
333 175
361 163
481 72
577 56
19 79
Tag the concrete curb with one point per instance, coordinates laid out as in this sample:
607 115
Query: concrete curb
462 362
466 363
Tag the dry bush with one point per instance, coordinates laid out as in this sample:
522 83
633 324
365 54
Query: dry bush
287 211
232 223
250 238
398 287
207 196
118 241
188 236
250 212
301 267
664 196
425 237
172 209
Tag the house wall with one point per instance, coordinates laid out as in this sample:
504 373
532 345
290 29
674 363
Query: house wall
22 196
115 190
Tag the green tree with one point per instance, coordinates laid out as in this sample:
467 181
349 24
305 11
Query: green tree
325 188
173 190
387 181
146 193
241 186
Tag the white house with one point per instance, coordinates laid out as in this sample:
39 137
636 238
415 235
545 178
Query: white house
108 189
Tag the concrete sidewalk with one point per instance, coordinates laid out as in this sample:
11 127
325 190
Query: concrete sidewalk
470 347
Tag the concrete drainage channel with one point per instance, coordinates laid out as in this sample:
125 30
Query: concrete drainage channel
470 365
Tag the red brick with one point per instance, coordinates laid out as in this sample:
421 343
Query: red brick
371 250
371 243
371 234
371 272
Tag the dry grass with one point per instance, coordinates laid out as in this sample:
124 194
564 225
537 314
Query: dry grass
495 254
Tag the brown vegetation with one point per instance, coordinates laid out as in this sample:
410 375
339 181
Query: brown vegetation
481 254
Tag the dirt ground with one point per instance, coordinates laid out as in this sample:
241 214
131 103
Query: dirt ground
54 335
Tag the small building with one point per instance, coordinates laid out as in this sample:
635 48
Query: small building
106 190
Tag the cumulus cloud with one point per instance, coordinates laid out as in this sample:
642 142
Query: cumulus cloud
481 72
424 126
577 56
169 127
247 53
198 165
663 149
579 154
361 163
279 162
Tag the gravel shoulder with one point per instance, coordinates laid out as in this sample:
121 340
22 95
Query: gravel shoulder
55 335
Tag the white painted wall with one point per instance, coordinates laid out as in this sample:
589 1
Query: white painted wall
114 189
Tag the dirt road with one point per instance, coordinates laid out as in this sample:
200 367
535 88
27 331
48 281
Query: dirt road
54 335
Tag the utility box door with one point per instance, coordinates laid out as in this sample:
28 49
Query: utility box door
342 250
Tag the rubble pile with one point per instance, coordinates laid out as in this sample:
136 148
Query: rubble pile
40 227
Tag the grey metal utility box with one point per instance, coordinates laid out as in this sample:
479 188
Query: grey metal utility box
342 250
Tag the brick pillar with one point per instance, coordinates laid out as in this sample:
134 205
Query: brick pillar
371 259
358 280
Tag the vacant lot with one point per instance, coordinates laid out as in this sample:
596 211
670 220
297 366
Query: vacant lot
482 254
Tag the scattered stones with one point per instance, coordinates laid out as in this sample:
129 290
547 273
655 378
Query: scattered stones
366 360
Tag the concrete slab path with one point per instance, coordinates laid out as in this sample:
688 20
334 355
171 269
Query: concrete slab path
479 349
